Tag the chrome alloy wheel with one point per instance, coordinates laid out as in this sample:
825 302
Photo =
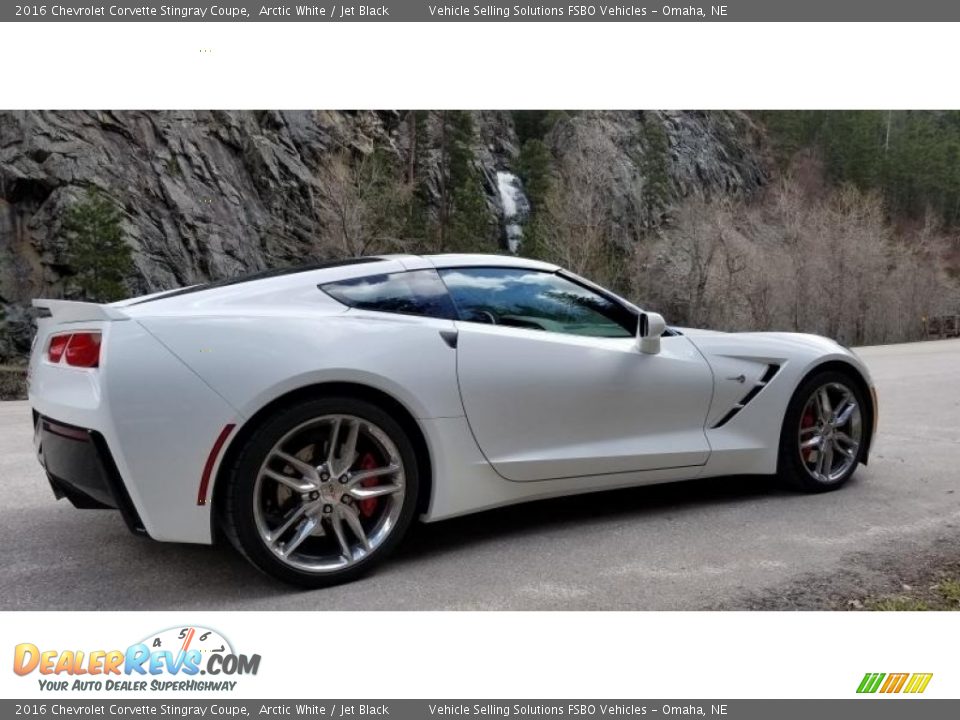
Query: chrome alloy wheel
830 432
329 493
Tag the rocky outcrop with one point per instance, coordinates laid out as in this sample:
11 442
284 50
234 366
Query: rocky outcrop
708 155
213 194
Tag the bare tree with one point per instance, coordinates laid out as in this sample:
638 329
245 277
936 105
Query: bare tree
360 204
831 266
579 219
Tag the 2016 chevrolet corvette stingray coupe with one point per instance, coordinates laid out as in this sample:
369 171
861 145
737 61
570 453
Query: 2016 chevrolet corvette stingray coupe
309 415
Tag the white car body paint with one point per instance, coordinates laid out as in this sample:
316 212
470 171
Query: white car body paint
548 405
509 414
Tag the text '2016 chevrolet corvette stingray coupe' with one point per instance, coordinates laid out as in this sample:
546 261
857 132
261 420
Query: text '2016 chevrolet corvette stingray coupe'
310 415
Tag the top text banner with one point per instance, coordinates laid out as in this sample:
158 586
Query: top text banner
500 11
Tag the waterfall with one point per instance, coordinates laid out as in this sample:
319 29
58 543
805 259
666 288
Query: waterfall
515 208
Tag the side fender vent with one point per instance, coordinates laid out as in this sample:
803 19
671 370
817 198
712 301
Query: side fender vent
754 391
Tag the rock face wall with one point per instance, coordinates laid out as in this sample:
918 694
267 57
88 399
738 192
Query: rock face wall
208 195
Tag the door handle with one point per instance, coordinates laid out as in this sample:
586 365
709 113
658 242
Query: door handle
450 337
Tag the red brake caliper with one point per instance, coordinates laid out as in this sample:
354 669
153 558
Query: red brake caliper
807 422
368 506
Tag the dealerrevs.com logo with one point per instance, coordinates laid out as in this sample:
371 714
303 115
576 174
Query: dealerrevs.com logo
171 660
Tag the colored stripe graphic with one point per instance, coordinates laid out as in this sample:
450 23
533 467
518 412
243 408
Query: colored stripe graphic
870 682
918 682
894 683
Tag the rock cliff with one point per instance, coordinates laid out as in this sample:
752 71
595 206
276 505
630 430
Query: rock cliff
208 195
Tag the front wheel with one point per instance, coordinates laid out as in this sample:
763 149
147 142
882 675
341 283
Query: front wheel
322 491
823 435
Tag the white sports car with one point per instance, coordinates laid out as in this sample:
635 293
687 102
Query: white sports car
311 414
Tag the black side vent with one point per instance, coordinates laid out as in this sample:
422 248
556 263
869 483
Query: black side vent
754 391
768 375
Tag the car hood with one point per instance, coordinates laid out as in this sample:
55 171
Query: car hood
697 331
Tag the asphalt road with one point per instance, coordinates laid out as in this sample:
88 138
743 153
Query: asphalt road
715 543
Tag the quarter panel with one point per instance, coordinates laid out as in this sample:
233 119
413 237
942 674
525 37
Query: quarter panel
158 418
251 361
164 420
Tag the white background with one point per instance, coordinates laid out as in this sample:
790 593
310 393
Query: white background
479 65
530 655
487 65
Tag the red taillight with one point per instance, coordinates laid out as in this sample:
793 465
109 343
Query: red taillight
80 349
83 350
57 345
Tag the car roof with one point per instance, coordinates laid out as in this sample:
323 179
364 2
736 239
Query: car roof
324 272
450 260
442 261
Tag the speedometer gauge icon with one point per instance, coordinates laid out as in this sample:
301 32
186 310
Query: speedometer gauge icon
189 637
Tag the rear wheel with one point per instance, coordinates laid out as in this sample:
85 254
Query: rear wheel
823 434
322 492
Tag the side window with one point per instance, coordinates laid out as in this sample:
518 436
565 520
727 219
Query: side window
420 292
535 300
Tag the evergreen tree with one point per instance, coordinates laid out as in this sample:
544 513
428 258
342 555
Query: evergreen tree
463 220
791 131
96 251
655 168
853 142
417 179
911 157
531 124
536 124
534 166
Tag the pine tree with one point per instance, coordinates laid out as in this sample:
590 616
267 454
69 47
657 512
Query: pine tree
417 179
791 131
536 124
534 166
655 169
95 248
853 144
911 157
463 220
531 124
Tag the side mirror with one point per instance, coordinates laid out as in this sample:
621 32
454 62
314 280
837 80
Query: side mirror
650 327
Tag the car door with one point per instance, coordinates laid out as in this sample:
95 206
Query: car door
554 386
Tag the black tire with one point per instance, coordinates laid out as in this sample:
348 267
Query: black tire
237 516
790 467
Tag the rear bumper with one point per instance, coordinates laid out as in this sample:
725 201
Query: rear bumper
80 468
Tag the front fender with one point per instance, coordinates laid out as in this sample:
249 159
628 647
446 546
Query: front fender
749 442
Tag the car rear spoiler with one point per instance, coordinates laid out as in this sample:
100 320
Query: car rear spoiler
70 311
